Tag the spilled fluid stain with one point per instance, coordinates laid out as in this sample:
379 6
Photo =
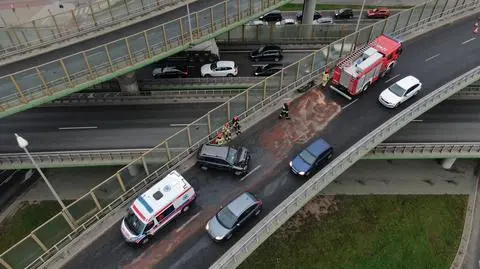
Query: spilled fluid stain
309 114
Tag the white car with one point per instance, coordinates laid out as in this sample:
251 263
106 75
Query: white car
323 20
400 91
257 22
219 69
286 22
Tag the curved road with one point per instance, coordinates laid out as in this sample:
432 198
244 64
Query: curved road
273 143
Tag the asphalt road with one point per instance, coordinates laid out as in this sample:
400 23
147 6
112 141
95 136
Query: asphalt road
273 143
142 126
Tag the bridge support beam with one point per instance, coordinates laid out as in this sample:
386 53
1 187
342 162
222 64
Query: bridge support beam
448 163
128 83
308 10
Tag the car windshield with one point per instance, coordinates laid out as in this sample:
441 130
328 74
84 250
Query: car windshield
232 156
213 66
134 224
226 218
307 156
397 90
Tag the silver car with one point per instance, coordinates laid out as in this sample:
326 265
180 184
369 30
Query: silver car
232 216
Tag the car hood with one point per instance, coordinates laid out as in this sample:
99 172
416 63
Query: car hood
205 69
215 229
300 165
390 97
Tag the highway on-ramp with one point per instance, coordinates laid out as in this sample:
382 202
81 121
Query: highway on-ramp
184 244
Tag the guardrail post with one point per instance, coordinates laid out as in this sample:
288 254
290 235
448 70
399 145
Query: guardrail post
445 6
126 7
19 90
328 54
226 13
35 238
120 181
147 44
37 32
212 20
341 49
66 73
145 166
198 30
5 264
433 11
129 50
75 19
182 31
168 150
110 9
246 98
109 58
69 219
298 70
251 8
281 79
313 61
165 40
143 6
396 22
209 121
55 22
238 11
371 32
25 37
228 110
95 200
9 34
93 15
410 15
189 136
39 74
85 58
354 45
264 90
421 13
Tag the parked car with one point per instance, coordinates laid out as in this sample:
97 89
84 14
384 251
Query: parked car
257 22
312 158
286 22
170 72
268 70
400 92
267 53
344 13
272 16
219 69
323 20
316 15
231 217
225 158
379 13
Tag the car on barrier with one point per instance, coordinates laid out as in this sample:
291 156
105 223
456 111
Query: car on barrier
156 207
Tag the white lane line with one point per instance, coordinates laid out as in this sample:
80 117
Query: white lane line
349 104
78 128
470 40
392 78
433 57
188 221
249 173
417 120
185 124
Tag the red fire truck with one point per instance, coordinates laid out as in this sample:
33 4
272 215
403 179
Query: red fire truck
360 70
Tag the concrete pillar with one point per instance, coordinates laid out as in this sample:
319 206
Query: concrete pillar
133 170
308 10
128 83
448 163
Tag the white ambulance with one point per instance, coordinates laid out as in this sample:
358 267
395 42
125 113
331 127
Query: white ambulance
156 207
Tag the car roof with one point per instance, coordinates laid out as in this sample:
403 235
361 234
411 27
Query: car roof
318 147
241 203
225 63
274 11
407 82
214 151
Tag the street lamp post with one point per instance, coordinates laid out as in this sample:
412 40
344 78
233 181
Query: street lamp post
360 16
189 21
23 143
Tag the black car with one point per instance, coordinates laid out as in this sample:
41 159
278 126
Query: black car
170 72
224 158
272 16
316 15
268 70
267 53
344 13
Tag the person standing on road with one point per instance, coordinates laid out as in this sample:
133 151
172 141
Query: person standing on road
284 112
325 77
226 131
236 125
220 140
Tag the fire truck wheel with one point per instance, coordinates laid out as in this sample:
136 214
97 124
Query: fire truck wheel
365 88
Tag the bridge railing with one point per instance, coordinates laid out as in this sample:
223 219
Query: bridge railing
60 231
84 69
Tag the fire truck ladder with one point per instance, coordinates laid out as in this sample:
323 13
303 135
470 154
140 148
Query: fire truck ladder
349 60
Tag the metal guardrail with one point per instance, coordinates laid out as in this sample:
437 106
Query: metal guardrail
24 37
51 237
124 156
46 82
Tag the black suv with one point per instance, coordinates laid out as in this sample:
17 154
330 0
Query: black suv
316 15
268 53
224 158
268 70
272 16
170 72
344 13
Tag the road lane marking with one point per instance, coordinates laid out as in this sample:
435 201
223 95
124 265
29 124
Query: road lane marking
249 173
349 104
185 124
433 57
392 78
78 128
188 221
417 120
470 40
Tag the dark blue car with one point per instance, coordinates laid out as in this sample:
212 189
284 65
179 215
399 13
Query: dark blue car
315 156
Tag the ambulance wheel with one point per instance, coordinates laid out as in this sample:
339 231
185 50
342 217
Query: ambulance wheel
145 240
185 208
204 168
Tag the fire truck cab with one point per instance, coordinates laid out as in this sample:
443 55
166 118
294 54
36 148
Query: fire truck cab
360 70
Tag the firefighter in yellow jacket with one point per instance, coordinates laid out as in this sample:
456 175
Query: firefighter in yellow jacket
325 77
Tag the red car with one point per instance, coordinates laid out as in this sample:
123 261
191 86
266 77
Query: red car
379 13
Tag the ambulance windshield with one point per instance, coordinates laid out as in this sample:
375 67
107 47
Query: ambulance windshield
134 224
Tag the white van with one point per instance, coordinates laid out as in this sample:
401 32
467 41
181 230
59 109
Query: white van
156 207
